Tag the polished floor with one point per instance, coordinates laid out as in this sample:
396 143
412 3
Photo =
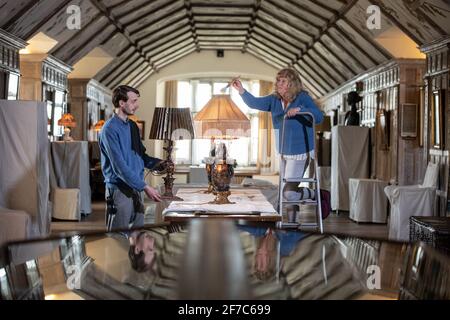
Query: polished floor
334 223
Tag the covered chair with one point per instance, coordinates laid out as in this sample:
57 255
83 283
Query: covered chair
414 200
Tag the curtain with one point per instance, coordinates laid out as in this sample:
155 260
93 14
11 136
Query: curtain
171 94
267 160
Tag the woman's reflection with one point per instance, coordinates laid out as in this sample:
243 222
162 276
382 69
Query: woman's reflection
271 244
265 263
142 251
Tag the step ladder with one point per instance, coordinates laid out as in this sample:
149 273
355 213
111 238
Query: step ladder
315 180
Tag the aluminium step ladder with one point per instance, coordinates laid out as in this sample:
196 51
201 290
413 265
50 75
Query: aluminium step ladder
315 180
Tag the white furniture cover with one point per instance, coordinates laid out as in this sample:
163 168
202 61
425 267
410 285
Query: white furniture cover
66 204
24 165
368 203
14 225
349 159
408 201
325 178
70 162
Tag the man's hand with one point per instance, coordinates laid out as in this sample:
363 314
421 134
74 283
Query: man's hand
152 194
292 112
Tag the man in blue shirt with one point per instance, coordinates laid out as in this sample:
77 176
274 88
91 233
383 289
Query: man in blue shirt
123 159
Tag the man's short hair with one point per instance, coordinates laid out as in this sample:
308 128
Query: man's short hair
121 94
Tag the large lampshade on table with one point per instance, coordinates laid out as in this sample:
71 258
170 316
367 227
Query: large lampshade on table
220 118
171 124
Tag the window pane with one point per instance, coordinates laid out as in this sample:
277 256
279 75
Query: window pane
203 95
237 99
184 96
182 154
200 150
218 86
238 149
13 86
254 139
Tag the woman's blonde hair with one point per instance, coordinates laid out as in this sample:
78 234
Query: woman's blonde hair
295 83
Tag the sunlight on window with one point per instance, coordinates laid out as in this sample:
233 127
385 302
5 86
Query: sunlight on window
202 95
196 94
218 86
184 95
182 152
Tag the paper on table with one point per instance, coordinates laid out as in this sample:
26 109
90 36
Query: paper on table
246 202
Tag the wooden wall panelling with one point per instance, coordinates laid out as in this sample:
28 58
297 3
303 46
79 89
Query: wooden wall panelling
437 78
385 88
90 101
441 157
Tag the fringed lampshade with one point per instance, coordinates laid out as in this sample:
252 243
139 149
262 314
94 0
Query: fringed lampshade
221 118
99 125
67 120
171 124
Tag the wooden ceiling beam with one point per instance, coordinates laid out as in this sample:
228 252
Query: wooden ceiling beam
188 7
122 30
163 32
278 11
301 7
256 6
265 59
162 41
37 24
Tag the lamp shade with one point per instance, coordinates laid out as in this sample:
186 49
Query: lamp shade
172 124
99 125
325 126
221 118
67 120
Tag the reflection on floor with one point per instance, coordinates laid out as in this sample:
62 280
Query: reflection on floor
335 224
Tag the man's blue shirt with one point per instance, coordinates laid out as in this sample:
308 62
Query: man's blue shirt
120 164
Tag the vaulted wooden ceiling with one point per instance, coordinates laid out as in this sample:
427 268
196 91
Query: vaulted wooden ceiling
327 41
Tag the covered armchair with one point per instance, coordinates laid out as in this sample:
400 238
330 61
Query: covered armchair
414 200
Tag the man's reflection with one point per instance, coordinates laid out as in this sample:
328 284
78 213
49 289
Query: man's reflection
142 251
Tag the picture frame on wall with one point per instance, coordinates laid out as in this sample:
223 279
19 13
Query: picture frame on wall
141 126
437 119
409 120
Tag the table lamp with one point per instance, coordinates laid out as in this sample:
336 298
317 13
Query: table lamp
171 124
68 121
221 119
99 125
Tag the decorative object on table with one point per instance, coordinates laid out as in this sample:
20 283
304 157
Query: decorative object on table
171 124
68 121
220 119
221 173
